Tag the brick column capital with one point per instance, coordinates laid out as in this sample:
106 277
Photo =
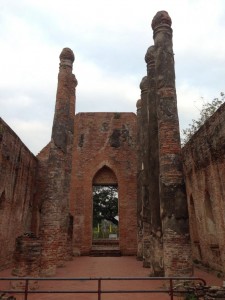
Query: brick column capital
144 85
161 22
66 57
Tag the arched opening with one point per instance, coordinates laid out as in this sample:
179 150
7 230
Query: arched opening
211 230
105 205
2 200
210 221
194 229
195 235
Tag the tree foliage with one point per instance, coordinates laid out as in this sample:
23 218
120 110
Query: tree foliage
105 204
207 110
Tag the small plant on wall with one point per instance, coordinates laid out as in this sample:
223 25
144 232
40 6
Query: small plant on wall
207 110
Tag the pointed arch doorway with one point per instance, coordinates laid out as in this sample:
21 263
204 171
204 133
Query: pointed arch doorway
101 141
105 212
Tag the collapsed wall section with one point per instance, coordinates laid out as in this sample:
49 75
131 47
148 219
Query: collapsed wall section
204 167
17 188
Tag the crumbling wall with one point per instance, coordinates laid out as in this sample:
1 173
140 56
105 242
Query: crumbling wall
17 187
204 166
41 183
104 140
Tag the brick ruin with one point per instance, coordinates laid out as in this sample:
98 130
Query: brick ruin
165 226
204 167
18 168
104 153
46 201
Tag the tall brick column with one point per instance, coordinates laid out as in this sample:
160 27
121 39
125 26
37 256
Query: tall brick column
173 201
55 217
145 172
153 217
139 182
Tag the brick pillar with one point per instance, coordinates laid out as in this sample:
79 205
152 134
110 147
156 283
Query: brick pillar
139 183
26 260
145 173
156 240
173 200
55 209
27 256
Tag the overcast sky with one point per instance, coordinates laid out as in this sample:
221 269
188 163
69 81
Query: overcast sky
109 39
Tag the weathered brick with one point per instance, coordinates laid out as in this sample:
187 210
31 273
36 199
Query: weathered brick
204 166
55 217
108 142
51 195
17 188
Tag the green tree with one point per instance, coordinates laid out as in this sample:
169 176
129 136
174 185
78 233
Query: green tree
207 110
105 204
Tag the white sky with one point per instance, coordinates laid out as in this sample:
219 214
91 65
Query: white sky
109 39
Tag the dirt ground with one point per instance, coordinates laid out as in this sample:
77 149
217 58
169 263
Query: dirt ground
91 267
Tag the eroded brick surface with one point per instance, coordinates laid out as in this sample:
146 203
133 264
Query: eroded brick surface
27 256
55 219
153 222
139 181
173 201
51 195
164 215
104 140
204 166
17 187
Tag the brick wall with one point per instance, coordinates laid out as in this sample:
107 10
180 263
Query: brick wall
204 166
41 183
17 187
104 139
